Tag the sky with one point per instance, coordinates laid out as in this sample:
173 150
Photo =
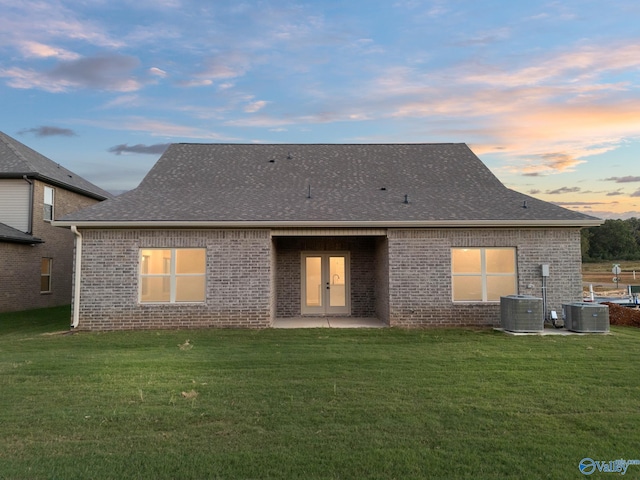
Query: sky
546 93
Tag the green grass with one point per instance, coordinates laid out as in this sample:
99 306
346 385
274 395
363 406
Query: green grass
445 403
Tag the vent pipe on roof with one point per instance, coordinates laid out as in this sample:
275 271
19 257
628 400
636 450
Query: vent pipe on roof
406 199
309 191
289 156
524 204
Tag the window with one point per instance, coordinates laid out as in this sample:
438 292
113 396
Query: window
48 203
172 275
483 274
45 275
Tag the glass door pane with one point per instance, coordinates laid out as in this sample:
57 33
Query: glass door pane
337 293
313 293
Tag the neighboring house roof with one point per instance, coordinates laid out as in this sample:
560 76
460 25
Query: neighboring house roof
322 185
10 234
17 160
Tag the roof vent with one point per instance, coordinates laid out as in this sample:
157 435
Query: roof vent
272 160
309 191
289 156
524 204
383 188
406 199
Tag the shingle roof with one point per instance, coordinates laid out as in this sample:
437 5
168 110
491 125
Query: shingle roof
17 160
10 234
347 183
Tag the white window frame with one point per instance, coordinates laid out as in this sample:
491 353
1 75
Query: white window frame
52 192
171 276
483 273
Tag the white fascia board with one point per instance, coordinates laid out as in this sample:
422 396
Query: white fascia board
332 224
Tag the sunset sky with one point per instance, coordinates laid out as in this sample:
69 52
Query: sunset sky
546 93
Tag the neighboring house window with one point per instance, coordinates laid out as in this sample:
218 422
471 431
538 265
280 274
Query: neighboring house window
483 274
172 275
45 275
48 203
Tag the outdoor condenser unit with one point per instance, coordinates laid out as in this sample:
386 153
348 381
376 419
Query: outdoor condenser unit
521 313
586 317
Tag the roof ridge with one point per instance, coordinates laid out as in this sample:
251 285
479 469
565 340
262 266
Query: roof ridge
12 147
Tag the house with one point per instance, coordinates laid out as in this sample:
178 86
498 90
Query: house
36 259
229 235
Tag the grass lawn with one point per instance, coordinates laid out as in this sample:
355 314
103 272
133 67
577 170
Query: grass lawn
319 403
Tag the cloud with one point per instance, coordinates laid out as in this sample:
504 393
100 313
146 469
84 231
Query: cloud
156 149
563 190
46 22
615 193
48 131
109 72
158 128
486 38
103 72
627 179
255 106
636 193
219 67
157 72
40 50
534 191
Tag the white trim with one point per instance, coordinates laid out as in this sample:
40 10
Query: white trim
483 275
330 224
328 232
325 309
172 276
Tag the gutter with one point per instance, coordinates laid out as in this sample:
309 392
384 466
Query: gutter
329 224
77 275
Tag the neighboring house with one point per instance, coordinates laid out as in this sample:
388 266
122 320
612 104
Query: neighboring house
36 259
226 235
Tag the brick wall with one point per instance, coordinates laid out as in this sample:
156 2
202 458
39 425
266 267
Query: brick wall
20 264
238 284
382 279
420 272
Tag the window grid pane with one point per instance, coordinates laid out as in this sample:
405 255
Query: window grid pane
161 280
496 275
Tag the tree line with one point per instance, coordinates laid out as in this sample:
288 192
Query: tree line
613 240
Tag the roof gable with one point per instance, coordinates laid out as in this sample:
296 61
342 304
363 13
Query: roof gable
323 183
17 160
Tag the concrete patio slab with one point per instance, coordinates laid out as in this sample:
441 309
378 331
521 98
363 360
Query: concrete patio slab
551 331
328 322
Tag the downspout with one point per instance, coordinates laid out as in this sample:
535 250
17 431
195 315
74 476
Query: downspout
76 281
30 226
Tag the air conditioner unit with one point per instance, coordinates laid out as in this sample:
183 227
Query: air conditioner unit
585 317
521 313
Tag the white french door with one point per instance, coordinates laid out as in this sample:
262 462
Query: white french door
325 283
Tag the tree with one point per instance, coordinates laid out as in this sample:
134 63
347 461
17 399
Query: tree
613 240
585 239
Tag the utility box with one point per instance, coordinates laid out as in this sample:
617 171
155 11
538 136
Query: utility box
586 317
521 313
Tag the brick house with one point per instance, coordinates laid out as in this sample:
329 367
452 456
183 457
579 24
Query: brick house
36 259
220 235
